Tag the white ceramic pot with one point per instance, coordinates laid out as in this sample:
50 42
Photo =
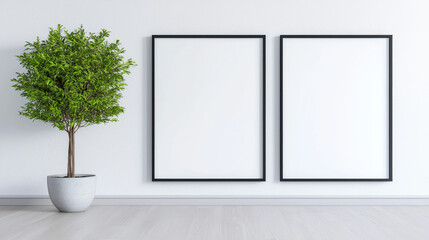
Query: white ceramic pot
72 194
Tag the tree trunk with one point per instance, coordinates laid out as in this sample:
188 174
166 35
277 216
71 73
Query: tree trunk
70 164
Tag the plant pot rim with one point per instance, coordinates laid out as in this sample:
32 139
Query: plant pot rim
76 176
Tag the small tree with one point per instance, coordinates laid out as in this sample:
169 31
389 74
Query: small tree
73 80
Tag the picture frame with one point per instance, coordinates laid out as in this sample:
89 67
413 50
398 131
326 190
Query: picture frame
208 107
336 108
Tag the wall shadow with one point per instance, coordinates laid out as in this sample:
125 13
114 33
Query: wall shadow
147 108
275 68
11 123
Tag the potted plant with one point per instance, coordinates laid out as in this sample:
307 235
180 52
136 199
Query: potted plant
72 80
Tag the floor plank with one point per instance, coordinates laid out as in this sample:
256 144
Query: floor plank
217 223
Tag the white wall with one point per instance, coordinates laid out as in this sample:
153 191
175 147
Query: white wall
120 153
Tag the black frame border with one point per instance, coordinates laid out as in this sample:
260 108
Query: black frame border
390 108
263 178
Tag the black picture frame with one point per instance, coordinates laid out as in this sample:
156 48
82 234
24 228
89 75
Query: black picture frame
390 109
263 124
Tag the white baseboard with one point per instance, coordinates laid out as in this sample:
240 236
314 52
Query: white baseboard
231 200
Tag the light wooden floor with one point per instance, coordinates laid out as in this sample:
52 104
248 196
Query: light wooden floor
217 222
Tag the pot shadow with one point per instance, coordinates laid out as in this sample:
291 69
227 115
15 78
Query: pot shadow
31 206
41 208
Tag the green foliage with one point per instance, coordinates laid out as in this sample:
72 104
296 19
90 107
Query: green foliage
73 79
